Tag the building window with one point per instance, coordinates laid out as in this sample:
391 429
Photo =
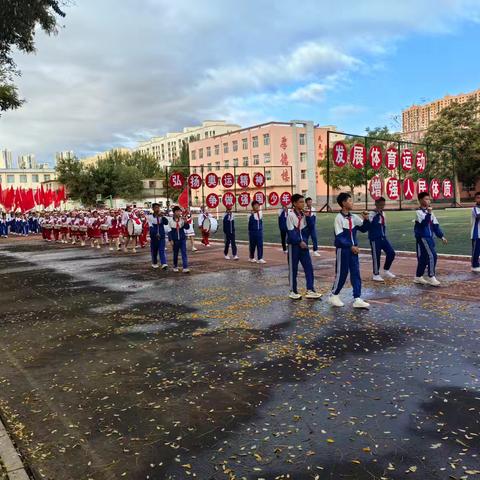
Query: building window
256 160
303 156
235 145
245 143
217 149
217 166
227 164
194 154
235 162
255 142
303 174
200 153
268 175
46 178
151 184
209 151
206 134
266 158
302 139
209 167
34 178
304 193
23 179
10 178
266 139
245 161
225 148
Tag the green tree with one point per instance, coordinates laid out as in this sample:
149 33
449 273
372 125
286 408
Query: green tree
455 137
18 24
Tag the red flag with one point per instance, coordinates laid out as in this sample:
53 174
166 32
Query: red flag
9 199
57 198
2 195
28 200
47 198
183 198
17 204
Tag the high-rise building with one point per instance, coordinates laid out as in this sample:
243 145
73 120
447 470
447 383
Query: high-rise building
417 118
6 159
166 149
66 155
92 160
27 161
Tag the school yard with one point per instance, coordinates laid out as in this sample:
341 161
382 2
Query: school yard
454 221
111 370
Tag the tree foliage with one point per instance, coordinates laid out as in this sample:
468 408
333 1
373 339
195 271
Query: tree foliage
117 175
457 127
18 25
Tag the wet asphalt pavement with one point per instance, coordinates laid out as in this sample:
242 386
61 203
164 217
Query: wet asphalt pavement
110 370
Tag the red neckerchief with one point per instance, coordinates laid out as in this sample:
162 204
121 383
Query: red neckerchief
299 218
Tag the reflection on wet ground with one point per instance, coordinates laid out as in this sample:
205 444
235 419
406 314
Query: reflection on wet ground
110 370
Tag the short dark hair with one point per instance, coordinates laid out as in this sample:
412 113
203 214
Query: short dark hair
176 208
381 199
477 194
155 205
422 195
255 203
342 197
308 198
296 197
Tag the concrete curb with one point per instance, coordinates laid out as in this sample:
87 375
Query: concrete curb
10 457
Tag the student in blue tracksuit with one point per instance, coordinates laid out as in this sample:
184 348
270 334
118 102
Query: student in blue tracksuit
297 234
475 234
377 234
255 233
229 234
178 225
311 214
346 227
3 225
158 229
426 226
282 226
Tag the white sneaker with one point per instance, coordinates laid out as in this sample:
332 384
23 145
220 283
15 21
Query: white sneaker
294 296
175 269
335 301
134 250
359 303
432 281
389 274
476 269
208 245
154 265
420 280
285 251
252 260
236 257
227 257
313 295
98 246
194 249
111 249
316 254
164 266
377 278
261 261
186 270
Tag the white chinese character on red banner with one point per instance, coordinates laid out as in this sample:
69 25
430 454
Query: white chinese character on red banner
177 180
421 161
393 188
435 189
211 180
273 199
358 155
447 187
212 201
339 154
376 187
375 157
258 179
422 185
286 199
194 181
259 197
243 180
228 180
408 188
407 160
244 199
391 158
228 200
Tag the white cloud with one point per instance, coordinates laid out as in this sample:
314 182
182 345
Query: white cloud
120 71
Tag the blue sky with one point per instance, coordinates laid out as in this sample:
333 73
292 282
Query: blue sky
136 69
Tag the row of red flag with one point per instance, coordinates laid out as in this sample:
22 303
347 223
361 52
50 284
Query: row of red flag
24 200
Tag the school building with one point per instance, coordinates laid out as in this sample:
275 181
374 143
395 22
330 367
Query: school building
286 153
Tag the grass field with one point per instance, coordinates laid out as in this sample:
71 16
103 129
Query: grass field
455 224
